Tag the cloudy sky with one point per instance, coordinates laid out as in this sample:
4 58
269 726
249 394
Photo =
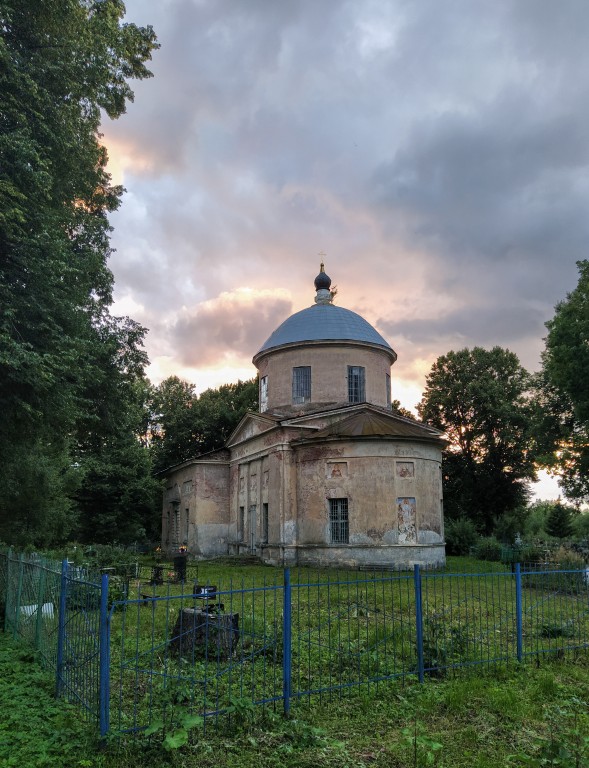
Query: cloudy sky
436 152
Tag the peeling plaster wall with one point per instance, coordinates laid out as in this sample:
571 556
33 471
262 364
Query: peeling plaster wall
197 495
376 477
393 488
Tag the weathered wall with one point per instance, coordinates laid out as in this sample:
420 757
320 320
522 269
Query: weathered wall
262 473
329 371
393 488
196 509
394 497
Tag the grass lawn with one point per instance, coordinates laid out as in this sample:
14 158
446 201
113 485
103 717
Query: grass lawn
347 628
534 714
479 721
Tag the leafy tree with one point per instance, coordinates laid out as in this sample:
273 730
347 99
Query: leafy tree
117 498
186 425
396 406
538 511
480 399
564 388
61 63
220 410
171 425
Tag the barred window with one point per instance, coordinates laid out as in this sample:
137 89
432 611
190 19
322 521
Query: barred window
241 524
338 521
301 384
356 388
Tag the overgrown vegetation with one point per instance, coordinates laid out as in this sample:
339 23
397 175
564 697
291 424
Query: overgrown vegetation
529 716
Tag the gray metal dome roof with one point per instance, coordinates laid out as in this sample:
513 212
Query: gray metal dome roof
324 322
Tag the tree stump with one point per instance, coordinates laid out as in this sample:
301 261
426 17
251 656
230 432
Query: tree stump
200 634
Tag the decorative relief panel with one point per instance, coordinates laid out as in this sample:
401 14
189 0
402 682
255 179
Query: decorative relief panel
405 469
336 469
406 516
187 488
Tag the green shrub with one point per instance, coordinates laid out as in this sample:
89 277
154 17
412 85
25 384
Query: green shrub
510 524
568 560
581 526
461 536
488 548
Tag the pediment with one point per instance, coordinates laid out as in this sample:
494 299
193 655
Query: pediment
251 425
368 421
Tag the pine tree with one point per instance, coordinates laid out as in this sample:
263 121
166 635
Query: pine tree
559 522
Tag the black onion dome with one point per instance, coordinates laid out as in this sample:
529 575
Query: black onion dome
322 281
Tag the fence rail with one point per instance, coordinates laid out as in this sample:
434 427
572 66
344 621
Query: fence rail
157 649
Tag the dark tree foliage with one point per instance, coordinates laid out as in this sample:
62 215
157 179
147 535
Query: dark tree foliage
563 386
559 522
61 63
396 406
480 399
186 425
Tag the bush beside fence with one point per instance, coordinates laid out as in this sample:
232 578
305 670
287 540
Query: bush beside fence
150 652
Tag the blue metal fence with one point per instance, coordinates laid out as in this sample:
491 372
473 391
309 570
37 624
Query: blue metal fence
157 654
57 610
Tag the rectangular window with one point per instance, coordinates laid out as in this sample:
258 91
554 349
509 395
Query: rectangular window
241 532
264 523
301 384
186 525
263 394
338 521
389 398
356 388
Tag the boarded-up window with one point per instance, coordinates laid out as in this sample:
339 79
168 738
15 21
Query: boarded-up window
406 516
263 394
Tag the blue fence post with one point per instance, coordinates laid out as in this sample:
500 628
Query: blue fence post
61 628
104 675
286 641
518 611
418 621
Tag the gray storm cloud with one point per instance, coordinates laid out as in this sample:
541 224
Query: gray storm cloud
437 151
228 327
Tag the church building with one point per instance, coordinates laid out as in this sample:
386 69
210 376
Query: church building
326 473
